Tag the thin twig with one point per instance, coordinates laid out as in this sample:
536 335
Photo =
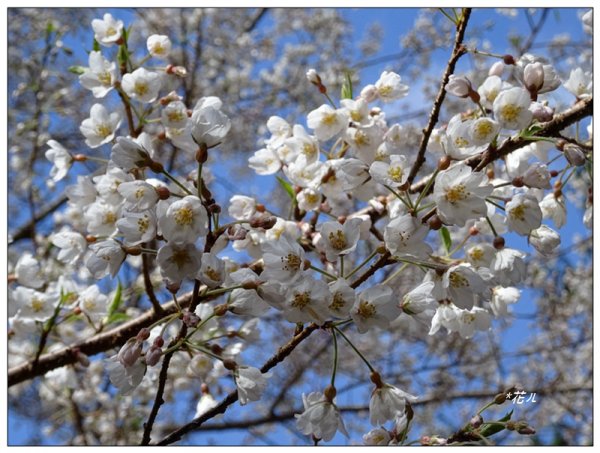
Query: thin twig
457 52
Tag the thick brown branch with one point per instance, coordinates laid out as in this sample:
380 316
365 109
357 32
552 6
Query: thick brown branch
99 343
457 52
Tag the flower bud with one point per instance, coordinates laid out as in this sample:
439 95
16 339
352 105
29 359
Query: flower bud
541 112
458 86
574 154
143 334
497 69
544 239
508 59
263 222
369 93
527 430
498 242
533 76
153 356
435 223
476 421
221 310
537 176
163 192
376 379
330 393
500 398
158 342
443 163
313 77
130 352
229 364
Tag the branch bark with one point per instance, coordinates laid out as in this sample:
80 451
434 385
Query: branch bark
457 52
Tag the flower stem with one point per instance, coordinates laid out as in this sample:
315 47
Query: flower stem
357 268
335 357
364 359
325 273
172 178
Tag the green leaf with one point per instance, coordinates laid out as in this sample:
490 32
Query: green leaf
287 187
445 235
77 69
96 46
122 55
347 86
50 27
490 430
117 317
117 299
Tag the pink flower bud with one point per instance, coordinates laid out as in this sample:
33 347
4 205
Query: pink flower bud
533 76
497 69
153 356
541 112
574 154
459 86
143 334
130 352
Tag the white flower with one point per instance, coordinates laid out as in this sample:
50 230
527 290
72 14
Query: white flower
477 319
327 122
460 194
100 76
28 271
555 209
100 127
340 239
34 304
83 193
251 383
374 307
342 298
377 436
101 218
158 46
580 83
137 227
389 87
394 173
461 283
280 130
71 245
284 260
302 144
212 270
483 131
241 207
419 299
108 30
107 257
523 214
541 76
405 235
446 315
358 110
265 162
533 76
185 220
174 115
139 195
126 379
308 199
179 260
209 125
305 174
306 301
490 89
544 239
497 69
142 85
320 418
60 158
508 266
481 255
129 153
511 108
93 303
386 403
501 298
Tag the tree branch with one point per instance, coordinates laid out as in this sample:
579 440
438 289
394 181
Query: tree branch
232 397
457 52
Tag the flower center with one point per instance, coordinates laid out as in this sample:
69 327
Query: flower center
385 90
301 300
456 193
338 302
291 262
510 112
212 274
457 280
111 31
395 174
483 128
366 309
180 258
140 88
175 115
361 139
329 119
103 130
139 193
309 150
476 254
37 304
337 239
143 224
518 213
110 217
104 78
184 216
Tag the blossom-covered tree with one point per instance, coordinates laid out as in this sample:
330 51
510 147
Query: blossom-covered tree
366 292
